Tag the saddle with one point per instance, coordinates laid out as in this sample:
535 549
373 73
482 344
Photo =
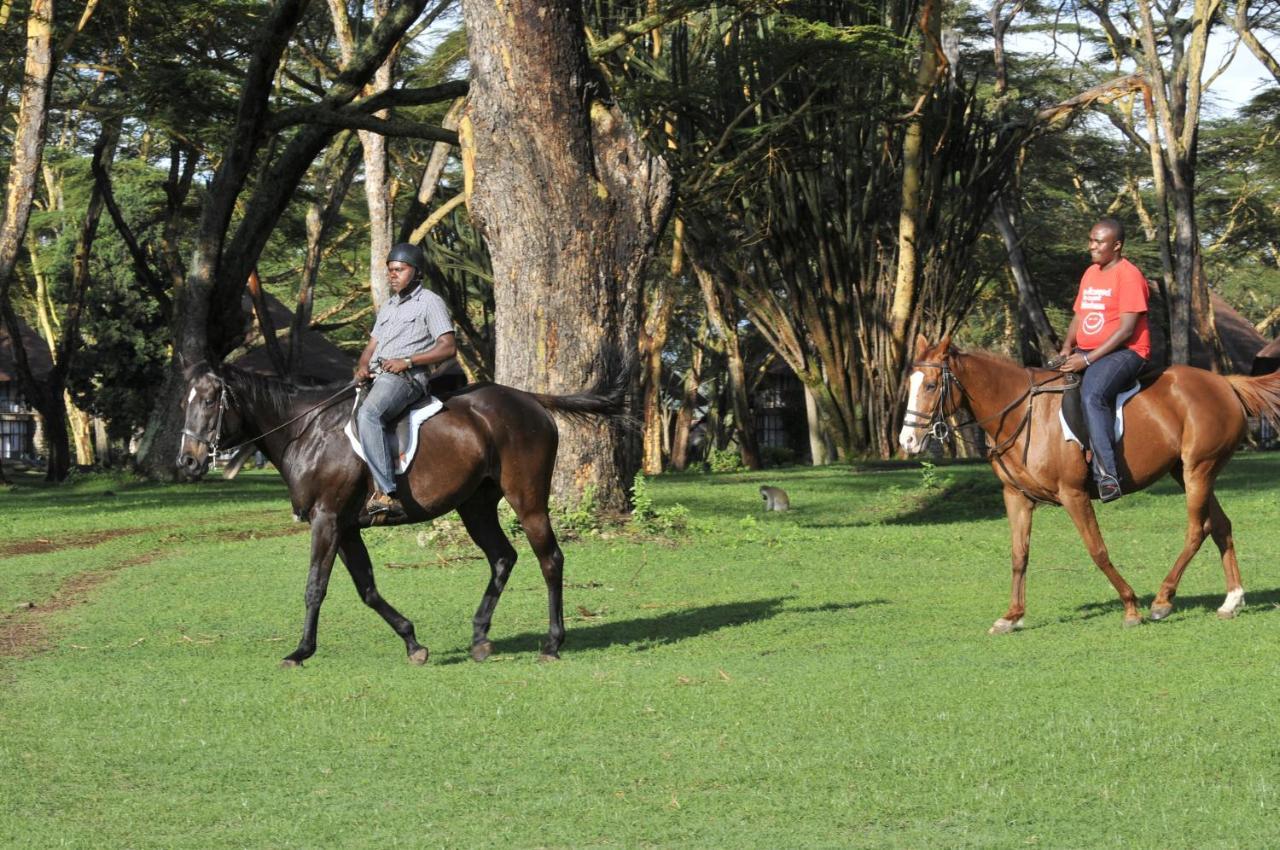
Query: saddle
1071 414
403 440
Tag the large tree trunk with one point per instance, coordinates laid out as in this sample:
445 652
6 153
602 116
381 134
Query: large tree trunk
28 139
571 204
909 214
20 187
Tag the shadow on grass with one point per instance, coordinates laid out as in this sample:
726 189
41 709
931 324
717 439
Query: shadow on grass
974 497
645 633
1256 602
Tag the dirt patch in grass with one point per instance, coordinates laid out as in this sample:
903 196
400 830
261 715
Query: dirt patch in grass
27 631
44 545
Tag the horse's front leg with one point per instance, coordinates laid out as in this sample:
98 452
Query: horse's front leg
356 556
324 547
1081 510
1019 509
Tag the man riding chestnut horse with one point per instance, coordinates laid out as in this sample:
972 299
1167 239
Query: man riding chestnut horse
1185 423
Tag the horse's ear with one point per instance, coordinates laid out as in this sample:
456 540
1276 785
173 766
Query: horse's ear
944 345
922 345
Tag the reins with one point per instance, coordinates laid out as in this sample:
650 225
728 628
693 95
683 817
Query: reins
224 392
940 430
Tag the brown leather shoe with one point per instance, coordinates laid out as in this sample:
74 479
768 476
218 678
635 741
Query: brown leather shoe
382 503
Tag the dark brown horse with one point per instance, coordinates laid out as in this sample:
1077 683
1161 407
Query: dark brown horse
490 441
1186 424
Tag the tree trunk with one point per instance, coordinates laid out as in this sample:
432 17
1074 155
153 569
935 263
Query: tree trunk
571 205
904 291
688 402
720 315
24 170
653 339
820 453
1037 334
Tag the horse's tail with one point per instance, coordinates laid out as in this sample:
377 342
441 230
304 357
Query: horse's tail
1260 395
606 399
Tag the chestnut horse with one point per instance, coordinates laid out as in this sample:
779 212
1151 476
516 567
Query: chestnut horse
488 442
1187 423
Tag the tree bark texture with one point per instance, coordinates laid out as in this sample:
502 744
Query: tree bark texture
653 340
571 205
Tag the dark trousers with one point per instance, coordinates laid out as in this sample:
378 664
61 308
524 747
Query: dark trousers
1105 379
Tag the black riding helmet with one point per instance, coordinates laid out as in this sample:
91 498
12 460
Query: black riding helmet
409 254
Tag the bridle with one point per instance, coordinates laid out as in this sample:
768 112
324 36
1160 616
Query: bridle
938 427
935 422
213 439
215 435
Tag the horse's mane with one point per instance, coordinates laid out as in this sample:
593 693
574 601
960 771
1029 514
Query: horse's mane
278 393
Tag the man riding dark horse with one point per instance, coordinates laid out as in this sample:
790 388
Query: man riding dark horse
413 332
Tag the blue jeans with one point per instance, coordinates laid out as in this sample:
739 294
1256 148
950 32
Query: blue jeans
386 400
1106 378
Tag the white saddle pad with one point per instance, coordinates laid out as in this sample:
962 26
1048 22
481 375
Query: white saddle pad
404 442
1068 434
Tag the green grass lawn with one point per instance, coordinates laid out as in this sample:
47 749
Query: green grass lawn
821 678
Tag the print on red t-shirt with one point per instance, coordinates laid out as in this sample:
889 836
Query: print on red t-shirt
1105 294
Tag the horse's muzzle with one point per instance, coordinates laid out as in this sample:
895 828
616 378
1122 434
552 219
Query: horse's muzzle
192 467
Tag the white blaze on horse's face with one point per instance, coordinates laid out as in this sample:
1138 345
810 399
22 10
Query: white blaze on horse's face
909 438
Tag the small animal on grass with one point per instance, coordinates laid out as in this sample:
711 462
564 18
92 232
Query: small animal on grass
775 499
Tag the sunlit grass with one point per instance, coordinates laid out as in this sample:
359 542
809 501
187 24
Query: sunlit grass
816 678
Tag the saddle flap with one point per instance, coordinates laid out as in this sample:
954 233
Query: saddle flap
1072 419
403 440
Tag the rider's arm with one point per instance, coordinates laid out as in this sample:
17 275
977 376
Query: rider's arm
1128 321
440 350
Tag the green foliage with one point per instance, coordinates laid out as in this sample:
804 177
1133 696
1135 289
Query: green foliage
647 517
728 459
579 519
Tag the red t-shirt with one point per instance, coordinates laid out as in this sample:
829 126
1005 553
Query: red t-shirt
1103 296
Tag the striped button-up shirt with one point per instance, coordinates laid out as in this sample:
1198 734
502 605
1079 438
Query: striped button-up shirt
409 324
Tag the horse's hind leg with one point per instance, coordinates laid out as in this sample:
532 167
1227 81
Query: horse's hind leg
356 557
1205 517
537 527
480 516
1081 511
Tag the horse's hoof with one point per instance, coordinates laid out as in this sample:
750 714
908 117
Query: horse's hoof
1130 622
1004 627
482 650
419 656
548 656
1159 612
1232 605
290 663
